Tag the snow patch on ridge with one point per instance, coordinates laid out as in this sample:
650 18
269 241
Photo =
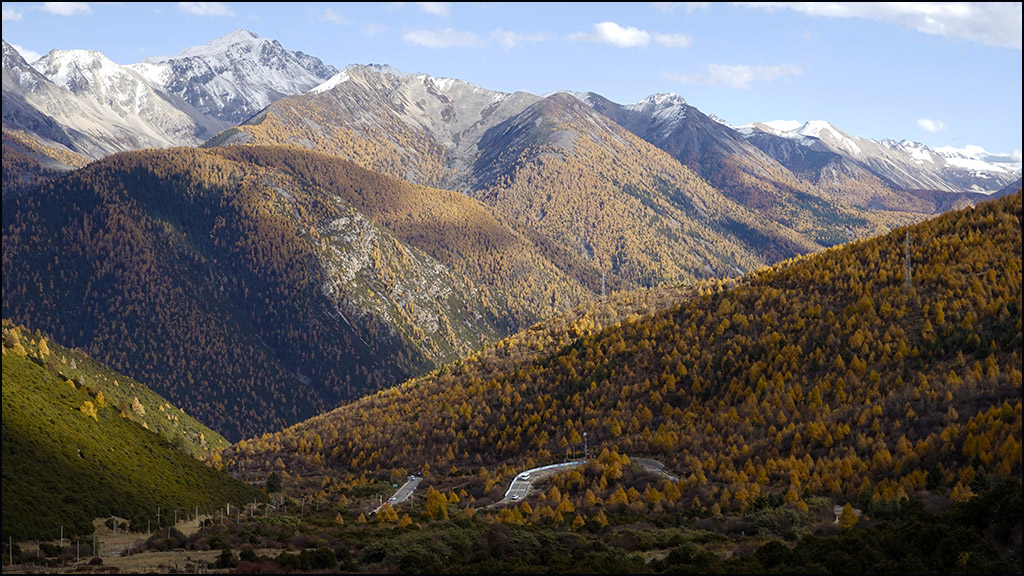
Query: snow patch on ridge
668 109
332 82
783 125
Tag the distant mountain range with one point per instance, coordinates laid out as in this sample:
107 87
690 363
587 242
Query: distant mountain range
80 99
327 233
817 150
83 100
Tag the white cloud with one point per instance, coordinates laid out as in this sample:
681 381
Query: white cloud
435 8
930 125
629 37
30 56
509 40
11 14
673 40
618 36
205 8
66 8
452 38
992 23
740 77
447 38
332 16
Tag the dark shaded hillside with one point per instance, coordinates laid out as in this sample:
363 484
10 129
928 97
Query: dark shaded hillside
257 287
74 451
823 376
184 271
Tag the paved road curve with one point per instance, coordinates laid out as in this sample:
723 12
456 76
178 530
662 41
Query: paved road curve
403 493
521 484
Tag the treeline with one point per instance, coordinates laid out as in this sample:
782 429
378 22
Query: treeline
826 376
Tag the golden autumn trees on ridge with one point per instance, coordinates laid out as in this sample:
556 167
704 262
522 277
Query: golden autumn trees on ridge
813 377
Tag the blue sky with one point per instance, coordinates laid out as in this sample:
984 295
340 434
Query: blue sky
946 74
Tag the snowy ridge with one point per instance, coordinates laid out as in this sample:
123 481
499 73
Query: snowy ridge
905 163
916 150
96 107
332 82
807 133
235 76
20 71
783 126
91 73
977 158
668 110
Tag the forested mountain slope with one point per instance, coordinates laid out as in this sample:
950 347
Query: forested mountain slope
635 195
258 287
828 375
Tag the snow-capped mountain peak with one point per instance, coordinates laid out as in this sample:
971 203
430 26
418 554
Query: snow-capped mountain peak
223 44
21 73
668 109
904 163
807 133
89 73
235 76
76 70
917 151
662 104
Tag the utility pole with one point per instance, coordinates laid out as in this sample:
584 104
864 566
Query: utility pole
603 292
586 450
